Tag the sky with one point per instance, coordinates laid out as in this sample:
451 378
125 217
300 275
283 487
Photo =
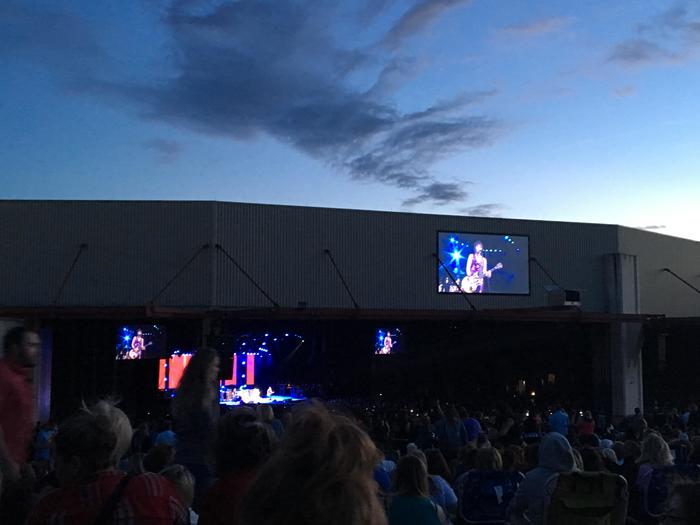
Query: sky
584 111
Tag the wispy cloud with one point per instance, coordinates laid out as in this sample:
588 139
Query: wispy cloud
167 150
483 210
537 27
654 227
440 193
671 36
638 51
418 17
624 91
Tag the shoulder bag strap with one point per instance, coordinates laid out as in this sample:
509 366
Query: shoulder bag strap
106 513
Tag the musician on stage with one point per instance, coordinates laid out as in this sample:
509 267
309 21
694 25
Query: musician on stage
477 267
137 345
388 344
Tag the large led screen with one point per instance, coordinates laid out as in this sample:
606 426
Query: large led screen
478 263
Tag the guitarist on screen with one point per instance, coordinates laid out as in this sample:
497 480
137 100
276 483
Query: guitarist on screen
477 270
137 346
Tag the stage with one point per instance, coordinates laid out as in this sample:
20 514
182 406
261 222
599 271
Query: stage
272 400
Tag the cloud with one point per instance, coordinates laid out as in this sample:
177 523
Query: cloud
167 150
537 27
439 193
624 91
671 36
637 51
237 78
654 227
421 15
483 210
394 74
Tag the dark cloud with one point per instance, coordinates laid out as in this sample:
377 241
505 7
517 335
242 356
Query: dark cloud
483 210
440 193
249 68
239 80
417 18
672 35
636 51
537 27
654 227
168 150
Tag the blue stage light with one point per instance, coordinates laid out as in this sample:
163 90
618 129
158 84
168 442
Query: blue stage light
456 256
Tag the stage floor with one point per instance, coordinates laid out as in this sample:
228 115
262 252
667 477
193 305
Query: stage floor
272 400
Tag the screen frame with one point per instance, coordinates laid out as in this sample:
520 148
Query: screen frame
490 294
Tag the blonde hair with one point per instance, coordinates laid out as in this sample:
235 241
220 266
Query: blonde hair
322 473
655 451
182 478
119 424
489 459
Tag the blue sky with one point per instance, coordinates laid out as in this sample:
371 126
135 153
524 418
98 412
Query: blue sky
573 111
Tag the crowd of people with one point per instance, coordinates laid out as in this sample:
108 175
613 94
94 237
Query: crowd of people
342 462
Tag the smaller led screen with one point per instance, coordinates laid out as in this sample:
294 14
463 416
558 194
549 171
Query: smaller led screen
140 342
479 263
388 341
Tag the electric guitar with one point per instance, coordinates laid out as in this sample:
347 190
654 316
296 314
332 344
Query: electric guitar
472 283
135 353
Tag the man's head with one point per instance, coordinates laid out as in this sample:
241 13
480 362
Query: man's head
22 346
478 246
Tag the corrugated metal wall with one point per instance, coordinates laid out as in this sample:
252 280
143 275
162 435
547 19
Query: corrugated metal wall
659 291
134 248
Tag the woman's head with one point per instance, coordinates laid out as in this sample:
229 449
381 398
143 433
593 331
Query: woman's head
183 480
323 467
411 477
437 466
265 413
198 386
85 444
488 459
655 451
120 424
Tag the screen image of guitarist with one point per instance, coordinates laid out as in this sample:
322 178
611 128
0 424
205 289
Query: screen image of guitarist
140 342
477 270
482 263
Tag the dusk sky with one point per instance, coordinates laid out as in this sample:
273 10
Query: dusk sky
573 111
